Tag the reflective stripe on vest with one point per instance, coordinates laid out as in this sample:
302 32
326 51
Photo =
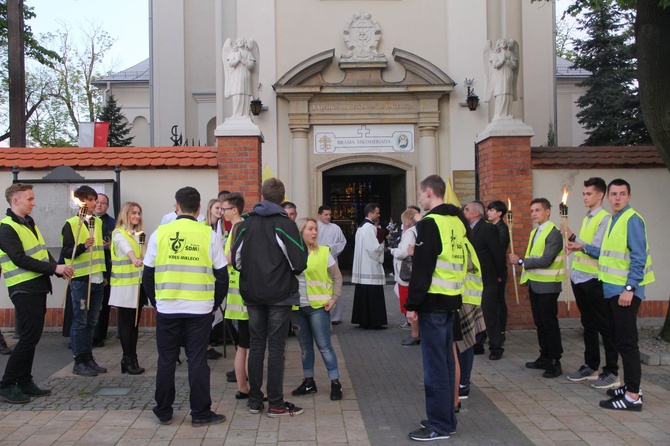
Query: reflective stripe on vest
124 272
473 287
449 275
614 261
81 262
235 308
317 280
33 247
584 262
556 271
183 266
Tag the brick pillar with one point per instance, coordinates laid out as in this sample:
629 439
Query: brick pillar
505 172
239 159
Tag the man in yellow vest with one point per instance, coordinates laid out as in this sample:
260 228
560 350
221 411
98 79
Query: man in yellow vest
26 265
624 267
435 294
186 280
588 290
89 260
543 270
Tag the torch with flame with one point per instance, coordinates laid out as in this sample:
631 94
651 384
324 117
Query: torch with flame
563 208
141 238
510 227
83 210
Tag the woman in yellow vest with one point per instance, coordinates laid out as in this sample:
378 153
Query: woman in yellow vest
126 294
320 287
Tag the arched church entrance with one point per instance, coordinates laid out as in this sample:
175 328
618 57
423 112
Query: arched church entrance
348 188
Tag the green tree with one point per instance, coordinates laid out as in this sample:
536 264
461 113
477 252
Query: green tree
118 124
610 108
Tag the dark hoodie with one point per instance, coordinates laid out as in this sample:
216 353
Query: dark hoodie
269 252
428 247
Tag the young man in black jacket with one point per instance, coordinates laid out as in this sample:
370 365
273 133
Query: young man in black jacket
269 252
26 265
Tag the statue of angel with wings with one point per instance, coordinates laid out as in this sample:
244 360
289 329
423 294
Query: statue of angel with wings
241 79
502 64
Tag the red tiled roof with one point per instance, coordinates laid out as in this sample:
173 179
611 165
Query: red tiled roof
585 157
99 158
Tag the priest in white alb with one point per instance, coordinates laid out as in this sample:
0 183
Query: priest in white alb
331 235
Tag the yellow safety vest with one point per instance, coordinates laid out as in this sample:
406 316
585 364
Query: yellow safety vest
235 308
449 274
584 262
81 262
124 272
317 280
556 271
614 261
33 247
473 286
184 269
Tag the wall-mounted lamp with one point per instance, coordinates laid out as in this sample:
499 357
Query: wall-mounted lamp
472 99
256 107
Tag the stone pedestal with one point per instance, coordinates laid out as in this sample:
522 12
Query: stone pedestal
505 172
239 142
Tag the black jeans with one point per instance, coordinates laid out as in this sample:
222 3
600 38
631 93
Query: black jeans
101 328
502 304
490 309
30 311
194 332
594 316
128 329
624 321
545 315
268 324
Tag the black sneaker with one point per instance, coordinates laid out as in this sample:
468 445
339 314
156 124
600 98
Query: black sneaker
621 391
553 370
305 388
14 395
287 409
463 392
230 377
94 365
424 423
427 434
335 391
213 418
622 403
83 370
540 363
255 408
213 354
31 389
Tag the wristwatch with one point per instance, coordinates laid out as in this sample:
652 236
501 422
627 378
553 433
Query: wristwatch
520 262
629 288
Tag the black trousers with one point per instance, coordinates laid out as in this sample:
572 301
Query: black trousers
194 332
502 304
545 315
491 309
101 328
594 316
128 329
624 321
30 311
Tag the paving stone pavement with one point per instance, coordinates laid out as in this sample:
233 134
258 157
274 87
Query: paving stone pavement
383 399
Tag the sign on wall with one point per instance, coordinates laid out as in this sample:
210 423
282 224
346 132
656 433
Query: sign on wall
382 138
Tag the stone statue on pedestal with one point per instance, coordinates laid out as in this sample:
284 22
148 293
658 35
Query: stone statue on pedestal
240 68
502 64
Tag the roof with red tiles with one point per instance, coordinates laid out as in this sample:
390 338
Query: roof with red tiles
103 158
585 157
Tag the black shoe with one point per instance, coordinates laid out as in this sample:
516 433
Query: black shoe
230 377
255 407
336 322
335 391
213 354
130 366
463 392
540 363
553 370
83 370
14 395
427 434
98 343
94 365
621 403
495 356
31 389
4 349
458 407
621 391
213 418
288 409
305 388
479 349
424 423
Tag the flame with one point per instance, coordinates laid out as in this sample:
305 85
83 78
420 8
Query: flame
76 200
565 196
509 205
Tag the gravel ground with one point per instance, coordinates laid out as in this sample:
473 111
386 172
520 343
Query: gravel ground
647 341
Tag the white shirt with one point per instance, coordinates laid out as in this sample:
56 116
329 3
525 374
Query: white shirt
331 235
172 216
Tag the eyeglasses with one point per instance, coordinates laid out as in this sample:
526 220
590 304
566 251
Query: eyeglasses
227 209
102 202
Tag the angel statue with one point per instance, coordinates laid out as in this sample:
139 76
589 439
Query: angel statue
503 72
241 80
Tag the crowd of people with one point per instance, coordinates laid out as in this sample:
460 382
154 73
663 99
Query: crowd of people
267 272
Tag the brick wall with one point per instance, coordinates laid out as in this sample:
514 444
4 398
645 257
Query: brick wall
239 160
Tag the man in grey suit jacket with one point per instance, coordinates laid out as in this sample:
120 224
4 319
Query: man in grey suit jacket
544 269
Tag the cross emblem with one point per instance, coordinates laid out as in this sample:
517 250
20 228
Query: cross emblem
364 131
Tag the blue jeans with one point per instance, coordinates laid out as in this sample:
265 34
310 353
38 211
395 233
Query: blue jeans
313 325
84 320
437 336
467 360
268 325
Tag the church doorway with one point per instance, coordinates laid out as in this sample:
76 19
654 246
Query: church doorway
349 188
